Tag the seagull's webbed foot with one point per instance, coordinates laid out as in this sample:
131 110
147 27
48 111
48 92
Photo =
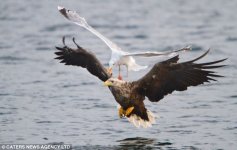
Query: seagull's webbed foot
120 77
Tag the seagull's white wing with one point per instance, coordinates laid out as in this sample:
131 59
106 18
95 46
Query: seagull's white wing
77 19
150 54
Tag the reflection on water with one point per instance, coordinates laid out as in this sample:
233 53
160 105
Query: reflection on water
137 143
142 143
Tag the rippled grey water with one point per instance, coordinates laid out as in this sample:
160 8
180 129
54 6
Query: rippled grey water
42 101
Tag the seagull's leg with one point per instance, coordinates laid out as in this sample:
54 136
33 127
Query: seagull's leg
119 76
128 111
119 70
127 70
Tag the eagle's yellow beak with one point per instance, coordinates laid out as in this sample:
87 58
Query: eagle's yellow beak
108 83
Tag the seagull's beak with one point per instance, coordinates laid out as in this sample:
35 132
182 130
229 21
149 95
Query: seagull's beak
108 83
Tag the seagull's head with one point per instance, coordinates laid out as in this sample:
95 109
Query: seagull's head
114 82
115 58
111 63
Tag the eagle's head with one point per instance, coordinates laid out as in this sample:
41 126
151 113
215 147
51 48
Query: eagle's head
114 82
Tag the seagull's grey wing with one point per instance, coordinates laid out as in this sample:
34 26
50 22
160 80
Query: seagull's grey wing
74 17
150 54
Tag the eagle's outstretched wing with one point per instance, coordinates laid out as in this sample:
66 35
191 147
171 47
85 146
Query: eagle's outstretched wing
168 76
83 58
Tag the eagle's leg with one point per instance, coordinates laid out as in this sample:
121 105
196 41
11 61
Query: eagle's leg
119 76
128 111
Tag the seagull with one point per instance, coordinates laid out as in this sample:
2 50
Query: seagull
164 78
118 56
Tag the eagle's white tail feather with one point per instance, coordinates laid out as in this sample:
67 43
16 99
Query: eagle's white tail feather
139 122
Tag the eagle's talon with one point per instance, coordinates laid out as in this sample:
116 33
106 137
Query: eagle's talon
128 111
121 112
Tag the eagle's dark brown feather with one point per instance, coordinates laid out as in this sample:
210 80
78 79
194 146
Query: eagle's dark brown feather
169 76
83 58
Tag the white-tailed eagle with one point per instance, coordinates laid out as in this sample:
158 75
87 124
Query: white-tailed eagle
164 78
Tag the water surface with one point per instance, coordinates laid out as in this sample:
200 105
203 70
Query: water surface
43 101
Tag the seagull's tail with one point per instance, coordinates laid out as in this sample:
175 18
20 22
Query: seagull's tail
139 122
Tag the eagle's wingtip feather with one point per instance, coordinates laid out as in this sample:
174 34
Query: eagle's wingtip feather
60 8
